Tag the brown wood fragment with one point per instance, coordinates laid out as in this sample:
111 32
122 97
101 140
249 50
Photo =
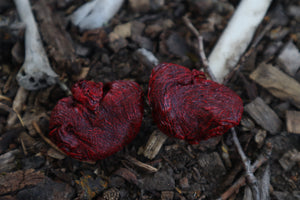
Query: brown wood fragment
141 165
128 175
12 182
264 115
154 144
260 137
289 59
277 83
289 159
8 162
29 142
18 104
293 121
54 34
55 154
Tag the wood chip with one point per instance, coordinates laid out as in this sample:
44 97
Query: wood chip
264 115
293 121
289 159
18 104
154 144
139 5
60 46
141 165
289 59
260 137
116 42
8 162
277 83
123 30
55 154
128 175
12 182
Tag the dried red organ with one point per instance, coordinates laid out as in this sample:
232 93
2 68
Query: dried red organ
187 106
98 120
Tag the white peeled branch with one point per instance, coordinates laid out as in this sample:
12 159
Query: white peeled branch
36 72
237 36
95 14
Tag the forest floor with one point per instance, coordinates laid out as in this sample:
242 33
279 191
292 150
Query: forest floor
31 168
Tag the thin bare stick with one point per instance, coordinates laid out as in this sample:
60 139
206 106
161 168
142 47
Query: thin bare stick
141 165
2 97
265 184
247 166
246 162
10 110
17 106
6 107
64 87
38 130
23 147
200 47
242 180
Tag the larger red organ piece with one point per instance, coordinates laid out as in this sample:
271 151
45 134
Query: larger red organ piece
187 106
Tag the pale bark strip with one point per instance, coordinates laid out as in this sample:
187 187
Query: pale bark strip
237 36
36 72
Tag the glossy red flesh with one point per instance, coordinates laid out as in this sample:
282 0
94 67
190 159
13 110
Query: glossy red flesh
187 106
98 120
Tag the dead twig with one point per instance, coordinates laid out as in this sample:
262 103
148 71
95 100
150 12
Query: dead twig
141 165
242 180
247 166
38 130
154 144
23 147
201 52
246 162
17 106
265 184
2 97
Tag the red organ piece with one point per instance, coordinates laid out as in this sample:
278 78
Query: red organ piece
187 106
98 120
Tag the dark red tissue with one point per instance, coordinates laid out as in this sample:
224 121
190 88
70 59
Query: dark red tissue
98 120
187 106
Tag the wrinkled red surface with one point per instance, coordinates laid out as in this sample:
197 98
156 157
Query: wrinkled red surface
187 106
98 120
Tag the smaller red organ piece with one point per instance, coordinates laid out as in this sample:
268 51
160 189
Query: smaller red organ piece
187 106
98 120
